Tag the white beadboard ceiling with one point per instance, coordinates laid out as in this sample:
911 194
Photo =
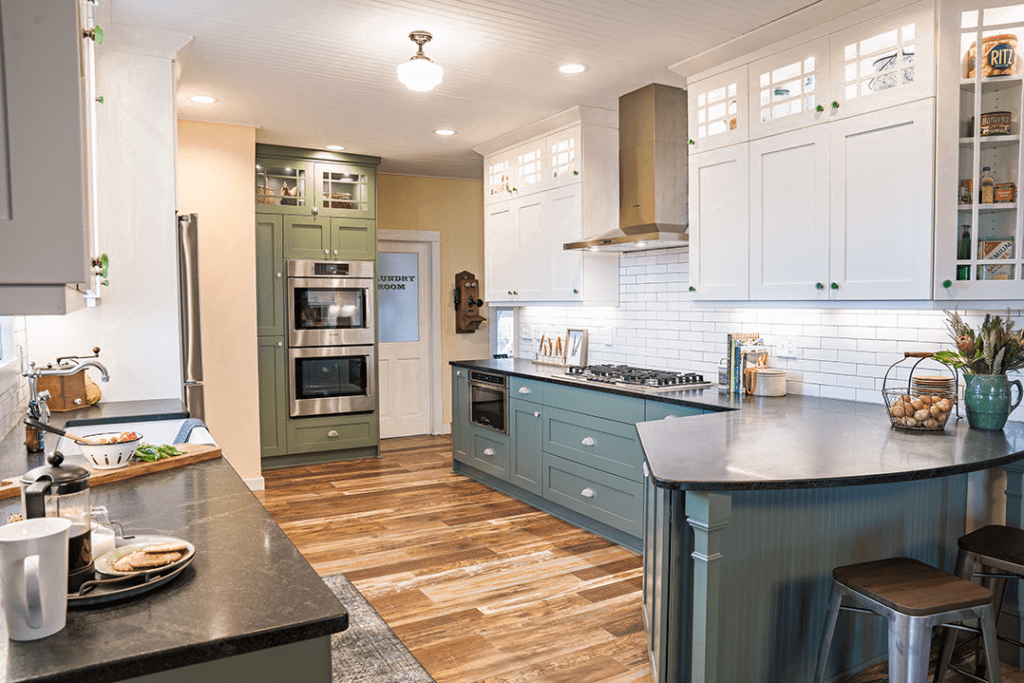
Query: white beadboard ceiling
309 73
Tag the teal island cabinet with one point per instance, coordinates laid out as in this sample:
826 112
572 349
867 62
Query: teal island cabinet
748 511
318 205
567 449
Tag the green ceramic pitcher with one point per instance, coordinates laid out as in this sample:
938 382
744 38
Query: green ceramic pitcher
987 399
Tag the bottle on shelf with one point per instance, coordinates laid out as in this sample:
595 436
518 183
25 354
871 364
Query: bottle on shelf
963 252
988 186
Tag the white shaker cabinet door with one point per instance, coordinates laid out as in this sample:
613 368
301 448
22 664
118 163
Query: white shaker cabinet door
789 212
501 245
565 224
719 224
531 217
881 240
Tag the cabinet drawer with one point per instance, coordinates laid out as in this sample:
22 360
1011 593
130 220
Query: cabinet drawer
656 410
307 435
598 403
608 446
601 496
526 390
489 454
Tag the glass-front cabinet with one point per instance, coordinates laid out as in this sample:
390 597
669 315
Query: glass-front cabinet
315 183
281 186
342 189
979 225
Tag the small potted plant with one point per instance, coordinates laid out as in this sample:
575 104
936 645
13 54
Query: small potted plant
985 356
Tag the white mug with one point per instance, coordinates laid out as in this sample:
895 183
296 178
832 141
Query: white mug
34 571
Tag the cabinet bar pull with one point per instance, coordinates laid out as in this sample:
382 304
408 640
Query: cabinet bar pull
587 492
587 441
643 466
488 451
332 434
524 390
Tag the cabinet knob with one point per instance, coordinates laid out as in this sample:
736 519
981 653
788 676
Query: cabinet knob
458 373
524 390
335 252
947 283
78 401
99 99
536 413
95 33
835 105
510 293
587 492
691 142
834 285
279 275
488 451
327 252
332 434
646 471
818 285
587 441
693 289
819 108
280 343
315 210
575 291
515 292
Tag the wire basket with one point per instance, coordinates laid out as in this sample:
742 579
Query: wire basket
920 406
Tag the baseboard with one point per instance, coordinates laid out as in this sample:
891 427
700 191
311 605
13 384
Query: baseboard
256 483
444 429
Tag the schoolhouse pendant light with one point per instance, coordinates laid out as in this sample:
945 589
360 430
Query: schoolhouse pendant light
419 73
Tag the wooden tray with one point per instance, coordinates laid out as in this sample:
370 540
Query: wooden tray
10 488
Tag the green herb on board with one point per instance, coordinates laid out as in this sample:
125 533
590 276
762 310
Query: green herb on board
147 452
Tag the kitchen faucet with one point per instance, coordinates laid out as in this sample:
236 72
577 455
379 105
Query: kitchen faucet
37 408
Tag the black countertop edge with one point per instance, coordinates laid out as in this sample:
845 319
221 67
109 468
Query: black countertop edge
143 665
516 367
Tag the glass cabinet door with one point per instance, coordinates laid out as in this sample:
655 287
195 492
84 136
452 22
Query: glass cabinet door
789 90
717 111
344 190
564 162
282 186
986 249
529 168
498 177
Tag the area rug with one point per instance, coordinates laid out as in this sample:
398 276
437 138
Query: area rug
368 651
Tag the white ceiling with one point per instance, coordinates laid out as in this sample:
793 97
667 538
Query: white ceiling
309 73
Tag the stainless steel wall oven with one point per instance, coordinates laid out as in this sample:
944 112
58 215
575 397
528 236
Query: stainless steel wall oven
331 379
488 400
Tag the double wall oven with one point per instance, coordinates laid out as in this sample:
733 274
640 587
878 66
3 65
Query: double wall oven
331 334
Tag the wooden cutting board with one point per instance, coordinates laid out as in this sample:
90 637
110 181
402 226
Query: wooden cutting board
10 488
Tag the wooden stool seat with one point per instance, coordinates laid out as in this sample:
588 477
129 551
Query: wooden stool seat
996 541
911 587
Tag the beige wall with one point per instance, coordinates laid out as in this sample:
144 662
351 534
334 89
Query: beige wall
215 172
454 208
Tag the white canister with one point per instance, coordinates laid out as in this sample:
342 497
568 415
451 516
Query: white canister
769 382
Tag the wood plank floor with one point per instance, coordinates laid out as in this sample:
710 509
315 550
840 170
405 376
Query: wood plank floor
479 586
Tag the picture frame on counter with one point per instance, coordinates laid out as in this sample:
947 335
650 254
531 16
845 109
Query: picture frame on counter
576 347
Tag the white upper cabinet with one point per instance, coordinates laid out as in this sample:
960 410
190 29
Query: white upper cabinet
883 62
790 89
978 237
548 184
46 188
717 111
719 249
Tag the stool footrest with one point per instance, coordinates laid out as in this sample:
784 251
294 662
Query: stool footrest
961 627
848 608
966 674
1007 639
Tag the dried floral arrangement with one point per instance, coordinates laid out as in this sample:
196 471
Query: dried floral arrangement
994 349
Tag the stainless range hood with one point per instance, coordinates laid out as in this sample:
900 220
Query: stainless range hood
652 173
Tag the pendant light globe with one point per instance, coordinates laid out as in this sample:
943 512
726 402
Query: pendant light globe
419 73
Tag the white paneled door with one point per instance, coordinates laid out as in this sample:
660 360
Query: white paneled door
403 309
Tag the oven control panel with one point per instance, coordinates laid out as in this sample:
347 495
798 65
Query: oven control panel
330 268
497 380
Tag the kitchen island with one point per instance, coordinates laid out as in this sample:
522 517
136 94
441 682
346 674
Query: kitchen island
249 607
749 502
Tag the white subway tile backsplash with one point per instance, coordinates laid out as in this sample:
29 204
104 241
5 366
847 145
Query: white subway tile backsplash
841 352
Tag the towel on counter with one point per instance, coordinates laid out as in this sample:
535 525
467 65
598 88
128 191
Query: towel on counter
186 429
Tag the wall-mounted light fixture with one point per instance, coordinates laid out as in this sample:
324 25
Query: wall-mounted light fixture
419 73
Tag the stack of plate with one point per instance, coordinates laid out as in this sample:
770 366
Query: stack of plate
934 385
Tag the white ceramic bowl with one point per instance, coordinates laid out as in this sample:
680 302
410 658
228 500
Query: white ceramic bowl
109 456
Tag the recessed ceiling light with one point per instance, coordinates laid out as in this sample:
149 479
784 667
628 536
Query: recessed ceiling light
335 148
572 68
203 99
444 132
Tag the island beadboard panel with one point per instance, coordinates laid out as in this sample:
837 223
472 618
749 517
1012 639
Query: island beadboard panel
841 352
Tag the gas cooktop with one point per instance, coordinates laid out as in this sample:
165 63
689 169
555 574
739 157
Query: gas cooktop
639 378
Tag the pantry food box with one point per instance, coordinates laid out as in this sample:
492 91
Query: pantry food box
991 250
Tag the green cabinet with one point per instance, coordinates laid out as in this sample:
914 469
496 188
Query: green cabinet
270 280
656 410
332 433
525 420
273 395
346 190
310 182
460 414
353 239
324 238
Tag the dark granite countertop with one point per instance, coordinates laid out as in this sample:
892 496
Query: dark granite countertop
247 589
755 442
15 460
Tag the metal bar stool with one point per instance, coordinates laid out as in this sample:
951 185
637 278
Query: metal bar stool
993 547
914 597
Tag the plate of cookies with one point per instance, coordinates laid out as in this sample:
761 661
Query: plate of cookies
146 555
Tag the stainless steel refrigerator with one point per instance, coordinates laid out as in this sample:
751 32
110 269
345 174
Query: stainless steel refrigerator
188 314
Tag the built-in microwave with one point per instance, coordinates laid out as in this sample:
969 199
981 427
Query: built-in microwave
330 303
331 380
488 400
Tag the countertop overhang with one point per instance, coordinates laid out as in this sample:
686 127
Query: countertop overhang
794 441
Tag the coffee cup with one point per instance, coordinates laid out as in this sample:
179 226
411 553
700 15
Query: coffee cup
34 575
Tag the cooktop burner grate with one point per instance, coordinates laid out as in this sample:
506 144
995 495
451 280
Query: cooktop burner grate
643 378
